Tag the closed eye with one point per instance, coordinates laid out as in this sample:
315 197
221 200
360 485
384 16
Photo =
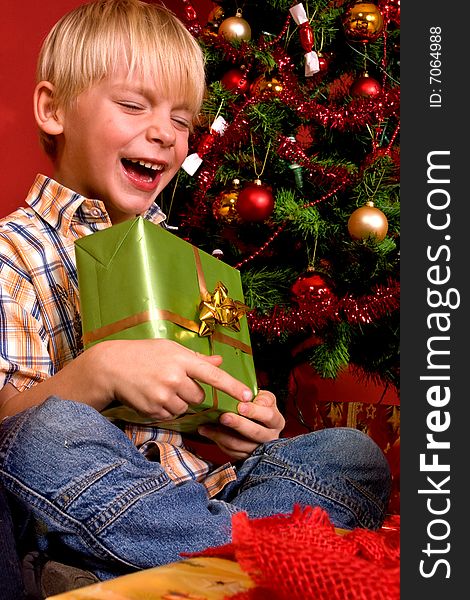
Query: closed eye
131 106
183 124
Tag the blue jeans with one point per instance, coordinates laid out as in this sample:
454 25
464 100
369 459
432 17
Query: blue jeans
95 499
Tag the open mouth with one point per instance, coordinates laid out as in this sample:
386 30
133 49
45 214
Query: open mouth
140 170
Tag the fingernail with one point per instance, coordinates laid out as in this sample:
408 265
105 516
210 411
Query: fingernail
226 419
247 395
243 408
202 430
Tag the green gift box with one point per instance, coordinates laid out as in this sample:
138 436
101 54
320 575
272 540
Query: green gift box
137 280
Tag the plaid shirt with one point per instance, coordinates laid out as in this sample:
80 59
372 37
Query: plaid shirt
40 327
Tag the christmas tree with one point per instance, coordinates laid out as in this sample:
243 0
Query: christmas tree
293 178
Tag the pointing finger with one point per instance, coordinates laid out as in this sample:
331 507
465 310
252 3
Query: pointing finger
204 371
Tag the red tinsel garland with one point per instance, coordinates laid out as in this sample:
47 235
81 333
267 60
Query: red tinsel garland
232 54
318 174
390 10
354 116
317 312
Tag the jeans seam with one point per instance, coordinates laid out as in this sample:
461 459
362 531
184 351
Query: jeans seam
317 488
54 512
7 437
379 505
126 500
70 495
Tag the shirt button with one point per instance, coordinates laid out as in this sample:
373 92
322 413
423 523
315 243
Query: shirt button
95 212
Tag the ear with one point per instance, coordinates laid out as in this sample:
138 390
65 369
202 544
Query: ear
46 114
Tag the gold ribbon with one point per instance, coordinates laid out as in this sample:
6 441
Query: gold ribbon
230 313
219 309
164 315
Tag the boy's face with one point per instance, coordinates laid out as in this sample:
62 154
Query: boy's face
122 142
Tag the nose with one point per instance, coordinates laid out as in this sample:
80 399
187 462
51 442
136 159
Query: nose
161 130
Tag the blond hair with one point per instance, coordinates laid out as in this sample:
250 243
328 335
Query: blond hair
86 44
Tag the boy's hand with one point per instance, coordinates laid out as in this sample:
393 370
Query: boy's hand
159 378
257 422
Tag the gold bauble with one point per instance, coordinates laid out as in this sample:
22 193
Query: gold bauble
224 207
368 222
265 83
363 22
235 28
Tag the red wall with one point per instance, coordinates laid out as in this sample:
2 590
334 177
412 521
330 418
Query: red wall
23 26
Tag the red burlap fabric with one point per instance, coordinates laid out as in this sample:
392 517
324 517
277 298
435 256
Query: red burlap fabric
302 556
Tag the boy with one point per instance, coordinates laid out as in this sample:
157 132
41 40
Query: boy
119 83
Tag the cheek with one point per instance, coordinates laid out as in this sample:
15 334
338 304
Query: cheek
182 146
107 143
115 133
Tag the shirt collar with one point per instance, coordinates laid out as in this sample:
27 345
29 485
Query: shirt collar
58 205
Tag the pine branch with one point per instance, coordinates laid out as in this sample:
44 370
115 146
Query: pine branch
265 288
329 358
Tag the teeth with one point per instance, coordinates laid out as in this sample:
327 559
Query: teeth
148 165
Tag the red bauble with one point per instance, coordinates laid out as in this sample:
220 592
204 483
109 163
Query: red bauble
323 62
365 87
312 287
255 202
235 80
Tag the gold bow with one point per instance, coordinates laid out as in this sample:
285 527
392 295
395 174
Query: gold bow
219 309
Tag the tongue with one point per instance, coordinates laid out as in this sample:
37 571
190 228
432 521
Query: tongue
138 171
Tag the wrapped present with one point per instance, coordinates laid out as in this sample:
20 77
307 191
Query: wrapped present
317 403
137 280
